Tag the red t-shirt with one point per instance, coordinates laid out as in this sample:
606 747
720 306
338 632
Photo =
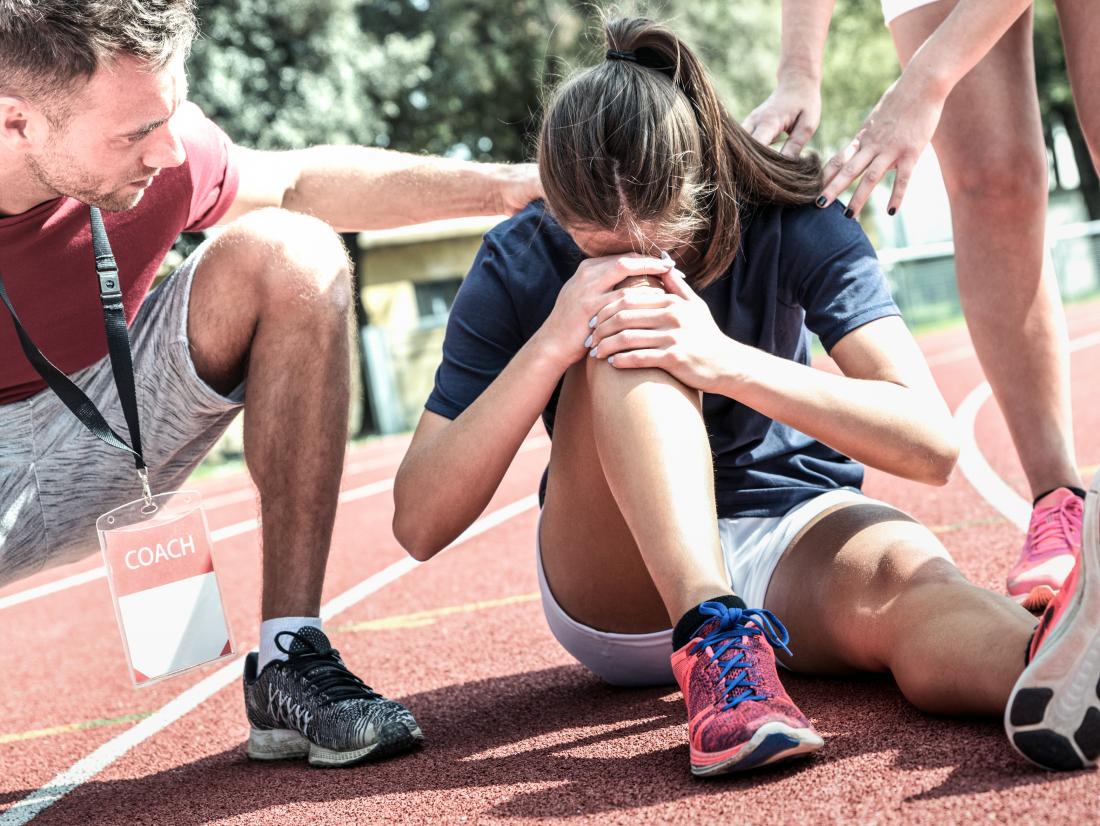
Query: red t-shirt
48 267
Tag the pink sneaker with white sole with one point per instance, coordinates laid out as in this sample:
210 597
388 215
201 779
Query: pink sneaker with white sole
1053 542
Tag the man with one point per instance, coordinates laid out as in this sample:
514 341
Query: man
93 112
972 62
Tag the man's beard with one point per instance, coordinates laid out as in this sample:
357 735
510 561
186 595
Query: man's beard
84 188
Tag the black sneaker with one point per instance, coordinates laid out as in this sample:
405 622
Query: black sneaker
311 705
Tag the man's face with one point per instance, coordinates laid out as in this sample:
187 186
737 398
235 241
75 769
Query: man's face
118 136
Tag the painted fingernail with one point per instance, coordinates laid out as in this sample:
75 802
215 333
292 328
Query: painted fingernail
588 341
848 213
822 201
592 321
592 353
892 211
610 359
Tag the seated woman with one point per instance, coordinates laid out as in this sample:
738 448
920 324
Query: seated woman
704 478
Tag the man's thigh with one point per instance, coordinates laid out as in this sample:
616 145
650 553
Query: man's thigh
78 477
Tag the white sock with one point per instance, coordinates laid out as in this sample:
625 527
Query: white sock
270 629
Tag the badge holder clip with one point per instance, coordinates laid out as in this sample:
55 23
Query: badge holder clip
164 586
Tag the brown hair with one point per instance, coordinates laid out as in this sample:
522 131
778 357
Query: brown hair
48 45
642 139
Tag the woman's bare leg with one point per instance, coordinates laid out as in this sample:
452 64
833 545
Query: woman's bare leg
990 148
629 532
1080 29
864 588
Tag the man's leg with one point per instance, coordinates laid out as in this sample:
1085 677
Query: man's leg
270 306
270 303
866 588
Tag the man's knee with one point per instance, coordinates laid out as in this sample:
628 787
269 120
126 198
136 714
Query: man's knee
299 261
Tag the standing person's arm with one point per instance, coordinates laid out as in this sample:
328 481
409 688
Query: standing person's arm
902 123
794 108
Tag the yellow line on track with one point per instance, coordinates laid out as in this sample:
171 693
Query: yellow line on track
70 727
422 618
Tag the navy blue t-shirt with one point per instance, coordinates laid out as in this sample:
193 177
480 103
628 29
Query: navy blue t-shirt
798 267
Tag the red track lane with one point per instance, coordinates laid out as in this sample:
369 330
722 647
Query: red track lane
516 731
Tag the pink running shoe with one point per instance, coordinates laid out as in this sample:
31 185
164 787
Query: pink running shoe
739 715
1053 542
1053 713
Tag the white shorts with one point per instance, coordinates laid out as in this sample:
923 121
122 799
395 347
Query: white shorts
892 9
752 547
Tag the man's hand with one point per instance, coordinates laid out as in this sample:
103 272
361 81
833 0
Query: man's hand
794 109
519 186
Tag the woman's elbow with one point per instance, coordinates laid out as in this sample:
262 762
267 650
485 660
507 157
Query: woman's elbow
410 534
410 526
940 461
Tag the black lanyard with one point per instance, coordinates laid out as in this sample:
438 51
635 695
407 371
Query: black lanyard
118 345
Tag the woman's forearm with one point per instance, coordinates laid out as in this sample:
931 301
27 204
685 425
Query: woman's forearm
879 423
447 479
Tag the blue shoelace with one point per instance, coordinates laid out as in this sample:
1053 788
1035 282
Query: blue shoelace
727 636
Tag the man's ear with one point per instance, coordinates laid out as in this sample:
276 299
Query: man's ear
22 126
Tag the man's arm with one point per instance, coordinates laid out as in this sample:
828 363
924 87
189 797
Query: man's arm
357 188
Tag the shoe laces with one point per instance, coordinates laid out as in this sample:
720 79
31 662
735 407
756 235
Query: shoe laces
1055 526
324 670
727 640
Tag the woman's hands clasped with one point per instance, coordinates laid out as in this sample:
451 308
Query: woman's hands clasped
568 331
672 330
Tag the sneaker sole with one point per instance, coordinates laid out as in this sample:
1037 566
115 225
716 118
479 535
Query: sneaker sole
1053 714
285 744
771 743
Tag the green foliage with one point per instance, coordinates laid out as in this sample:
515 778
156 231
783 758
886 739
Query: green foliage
290 73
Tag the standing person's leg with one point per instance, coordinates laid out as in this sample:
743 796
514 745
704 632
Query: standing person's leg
1080 27
270 307
990 147
629 546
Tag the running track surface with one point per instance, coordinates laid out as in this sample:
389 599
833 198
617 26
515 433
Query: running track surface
515 730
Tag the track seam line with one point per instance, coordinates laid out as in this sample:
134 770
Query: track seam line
32 805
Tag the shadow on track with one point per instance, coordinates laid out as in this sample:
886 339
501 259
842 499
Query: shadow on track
558 743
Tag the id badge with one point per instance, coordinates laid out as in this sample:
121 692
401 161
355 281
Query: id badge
165 590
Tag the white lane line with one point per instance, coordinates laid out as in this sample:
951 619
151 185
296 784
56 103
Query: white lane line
976 469
223 533
88 767
973 463
227 532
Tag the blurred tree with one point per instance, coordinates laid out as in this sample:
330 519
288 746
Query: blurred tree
285 74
